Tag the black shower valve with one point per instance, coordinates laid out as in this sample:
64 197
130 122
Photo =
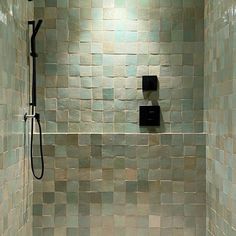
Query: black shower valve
149 83
149 115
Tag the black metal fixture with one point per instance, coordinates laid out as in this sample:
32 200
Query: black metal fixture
149 82
34 55
33 115
150 115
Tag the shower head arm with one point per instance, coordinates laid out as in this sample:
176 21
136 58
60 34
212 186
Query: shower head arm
33 36
36 28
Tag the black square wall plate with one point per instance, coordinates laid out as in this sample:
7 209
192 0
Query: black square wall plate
149 115
149 83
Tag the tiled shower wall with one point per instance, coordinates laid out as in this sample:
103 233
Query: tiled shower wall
101 179
121 184
94 52
15 184
220 116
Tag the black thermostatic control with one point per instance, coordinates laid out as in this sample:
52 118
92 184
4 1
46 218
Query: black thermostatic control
149 115
149 83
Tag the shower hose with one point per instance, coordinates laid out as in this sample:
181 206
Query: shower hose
36 116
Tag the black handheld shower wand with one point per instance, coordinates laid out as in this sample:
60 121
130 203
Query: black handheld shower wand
36 116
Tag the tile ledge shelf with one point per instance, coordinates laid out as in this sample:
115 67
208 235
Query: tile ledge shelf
66 133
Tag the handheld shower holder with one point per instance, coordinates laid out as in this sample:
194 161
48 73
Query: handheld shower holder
35 115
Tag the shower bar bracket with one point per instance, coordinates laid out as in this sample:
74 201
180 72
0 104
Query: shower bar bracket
35 115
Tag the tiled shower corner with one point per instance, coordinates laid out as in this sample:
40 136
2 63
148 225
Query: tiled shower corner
220 97
106 175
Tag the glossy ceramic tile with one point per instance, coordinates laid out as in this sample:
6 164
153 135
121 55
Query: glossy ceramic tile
94 53
220 22
15 183
129 184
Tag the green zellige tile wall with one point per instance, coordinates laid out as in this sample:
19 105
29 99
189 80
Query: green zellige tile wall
93 53
220 116
15 183
118 181
121 184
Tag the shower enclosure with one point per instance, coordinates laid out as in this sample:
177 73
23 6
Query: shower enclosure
105 174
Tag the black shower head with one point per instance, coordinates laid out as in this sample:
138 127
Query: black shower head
36 29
